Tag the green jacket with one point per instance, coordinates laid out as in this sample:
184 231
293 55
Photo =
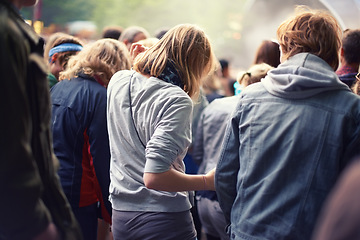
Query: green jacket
31 195
52 80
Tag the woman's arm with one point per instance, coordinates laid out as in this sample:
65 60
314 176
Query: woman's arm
175 181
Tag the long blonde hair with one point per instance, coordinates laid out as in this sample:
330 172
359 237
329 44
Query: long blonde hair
188 48
101 58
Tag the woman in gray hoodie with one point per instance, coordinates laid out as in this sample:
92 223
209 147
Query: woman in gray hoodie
149 123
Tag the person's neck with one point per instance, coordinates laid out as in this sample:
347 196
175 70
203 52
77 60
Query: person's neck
351 65
354 66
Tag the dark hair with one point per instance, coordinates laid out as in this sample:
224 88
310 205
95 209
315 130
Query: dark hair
130 33
224 63
268 52
113 32
351 45
161 32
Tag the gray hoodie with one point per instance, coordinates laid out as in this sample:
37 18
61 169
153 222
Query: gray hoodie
149 124
302 76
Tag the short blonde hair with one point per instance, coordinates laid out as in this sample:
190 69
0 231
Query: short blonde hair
103 58
254 74
188 48
313 31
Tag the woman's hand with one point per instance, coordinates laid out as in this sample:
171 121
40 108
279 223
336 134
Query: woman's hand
136 49
50 233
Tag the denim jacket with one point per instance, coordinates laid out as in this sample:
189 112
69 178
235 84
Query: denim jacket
285 146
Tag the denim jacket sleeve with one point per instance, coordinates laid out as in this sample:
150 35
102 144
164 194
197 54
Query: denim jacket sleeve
228 167
198 147
352 148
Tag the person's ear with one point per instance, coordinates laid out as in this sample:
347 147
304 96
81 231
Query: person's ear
53 58
341 52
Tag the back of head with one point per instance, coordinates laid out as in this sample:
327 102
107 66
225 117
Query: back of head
129 34
101 58
149 42
224 64
254 74
187 47
316 32
113 32
65 46
49 43
268 52
67 39
161 32
351 46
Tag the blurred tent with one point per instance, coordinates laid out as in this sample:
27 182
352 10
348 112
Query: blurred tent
82 29
262 17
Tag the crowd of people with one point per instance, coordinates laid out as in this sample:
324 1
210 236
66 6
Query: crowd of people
134 136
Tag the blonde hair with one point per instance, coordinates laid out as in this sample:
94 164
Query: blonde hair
356 86
148 42
188 48
254 74
312 31
102 58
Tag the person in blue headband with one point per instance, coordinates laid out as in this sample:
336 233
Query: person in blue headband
60 51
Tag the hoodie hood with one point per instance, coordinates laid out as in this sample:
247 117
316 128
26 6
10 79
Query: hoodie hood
301 76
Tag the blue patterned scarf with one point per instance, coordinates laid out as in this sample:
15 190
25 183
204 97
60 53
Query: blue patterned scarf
171 75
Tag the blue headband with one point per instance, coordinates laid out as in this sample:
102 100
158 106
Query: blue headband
65 47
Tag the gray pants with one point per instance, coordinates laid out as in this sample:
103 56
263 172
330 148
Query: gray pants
212 218
152 225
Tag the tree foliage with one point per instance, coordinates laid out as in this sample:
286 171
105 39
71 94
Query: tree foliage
62 12
214 16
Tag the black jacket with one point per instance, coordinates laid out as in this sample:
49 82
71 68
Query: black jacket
31 195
